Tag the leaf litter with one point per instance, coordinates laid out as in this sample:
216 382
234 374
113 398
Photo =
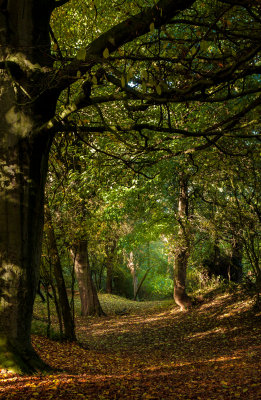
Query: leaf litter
155 352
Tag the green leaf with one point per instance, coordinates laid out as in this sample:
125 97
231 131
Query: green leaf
204 45
94 80
81 55
144 74
106 53
158 89
152 27
193 50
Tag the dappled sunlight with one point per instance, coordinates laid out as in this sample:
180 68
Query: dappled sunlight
139 356
124 323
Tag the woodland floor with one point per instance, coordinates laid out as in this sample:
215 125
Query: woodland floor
154 351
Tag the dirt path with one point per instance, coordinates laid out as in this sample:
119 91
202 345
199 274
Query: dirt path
212 352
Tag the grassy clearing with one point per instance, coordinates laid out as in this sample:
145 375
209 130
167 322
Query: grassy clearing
111 304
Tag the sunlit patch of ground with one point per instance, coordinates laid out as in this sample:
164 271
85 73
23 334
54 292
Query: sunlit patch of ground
153 352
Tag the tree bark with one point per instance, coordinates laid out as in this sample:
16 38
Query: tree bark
68 323
22 176
132 268
182 248
90 304
24 43
235 265
110 256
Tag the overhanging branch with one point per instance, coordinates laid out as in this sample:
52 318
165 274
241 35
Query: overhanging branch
124 32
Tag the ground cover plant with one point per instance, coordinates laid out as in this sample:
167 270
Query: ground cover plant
151 350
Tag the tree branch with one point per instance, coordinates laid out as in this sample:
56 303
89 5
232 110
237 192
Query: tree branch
122 33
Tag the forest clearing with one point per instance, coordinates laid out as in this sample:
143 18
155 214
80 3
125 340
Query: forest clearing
153 351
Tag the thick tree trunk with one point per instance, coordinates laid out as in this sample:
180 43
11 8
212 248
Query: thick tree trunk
22 176
182 249
68 323
90 304
24 107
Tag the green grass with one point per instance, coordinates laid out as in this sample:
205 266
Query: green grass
111 304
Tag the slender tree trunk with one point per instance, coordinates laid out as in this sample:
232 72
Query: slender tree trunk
68 323
132 268
90 304
110 256
235 266
182 249
58 310
109 276
24 107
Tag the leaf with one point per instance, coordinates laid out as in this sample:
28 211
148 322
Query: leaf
224 383
94 80
204 45
144 74
152 27
106 53
158 89
81 55
193 50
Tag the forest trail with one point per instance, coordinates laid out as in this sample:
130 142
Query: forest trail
211 352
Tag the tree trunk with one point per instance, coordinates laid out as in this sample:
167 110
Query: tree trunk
22 176
182 249
235 265
109 276
68 323
132 268
24 107
110 256
90 304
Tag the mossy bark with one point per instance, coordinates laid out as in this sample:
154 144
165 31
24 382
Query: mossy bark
22 176
20 360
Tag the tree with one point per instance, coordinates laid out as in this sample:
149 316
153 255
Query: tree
182 247
68 322
35 71
90 304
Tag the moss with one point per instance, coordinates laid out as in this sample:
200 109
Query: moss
20 362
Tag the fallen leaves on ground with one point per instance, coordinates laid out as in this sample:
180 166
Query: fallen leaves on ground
153 352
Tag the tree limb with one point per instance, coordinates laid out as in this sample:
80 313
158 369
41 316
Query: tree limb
122 33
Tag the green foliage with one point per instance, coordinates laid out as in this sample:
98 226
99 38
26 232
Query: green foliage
179 99
157 286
